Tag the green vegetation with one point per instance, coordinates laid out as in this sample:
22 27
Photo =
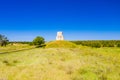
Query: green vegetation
99 43
3 40
15 47
21 42
39 41
60 44
80 63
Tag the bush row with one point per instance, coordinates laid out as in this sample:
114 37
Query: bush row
21 42
99 43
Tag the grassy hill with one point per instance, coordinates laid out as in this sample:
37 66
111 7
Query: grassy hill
60 44
81 63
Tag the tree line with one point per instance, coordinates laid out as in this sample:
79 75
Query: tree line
38 41
21 42
99 43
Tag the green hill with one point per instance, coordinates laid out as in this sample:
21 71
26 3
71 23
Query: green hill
60 44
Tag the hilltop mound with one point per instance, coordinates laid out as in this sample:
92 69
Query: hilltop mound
60 44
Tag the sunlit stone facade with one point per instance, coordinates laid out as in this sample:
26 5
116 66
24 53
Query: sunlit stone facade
59 36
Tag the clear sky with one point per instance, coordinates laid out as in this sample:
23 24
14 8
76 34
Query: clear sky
23 20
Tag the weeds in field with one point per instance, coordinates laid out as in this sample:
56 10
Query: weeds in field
82 63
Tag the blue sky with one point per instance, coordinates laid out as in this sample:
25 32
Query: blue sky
23 20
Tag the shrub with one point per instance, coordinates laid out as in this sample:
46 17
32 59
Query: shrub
118 45
38 41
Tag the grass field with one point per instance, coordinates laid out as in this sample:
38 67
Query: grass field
14 47
81 63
